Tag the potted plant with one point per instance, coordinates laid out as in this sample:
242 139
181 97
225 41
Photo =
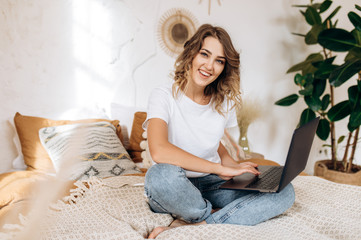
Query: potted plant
318 77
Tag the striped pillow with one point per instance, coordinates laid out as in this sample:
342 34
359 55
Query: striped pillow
79 151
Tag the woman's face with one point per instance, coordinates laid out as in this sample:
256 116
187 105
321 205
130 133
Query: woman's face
208 64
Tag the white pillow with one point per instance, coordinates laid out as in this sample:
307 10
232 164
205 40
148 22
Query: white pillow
147 160
79 151
18 163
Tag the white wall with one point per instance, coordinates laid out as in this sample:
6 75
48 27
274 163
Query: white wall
56 55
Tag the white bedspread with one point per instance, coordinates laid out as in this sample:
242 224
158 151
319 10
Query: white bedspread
115 208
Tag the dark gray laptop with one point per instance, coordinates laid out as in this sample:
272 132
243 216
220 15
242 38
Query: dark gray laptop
275 178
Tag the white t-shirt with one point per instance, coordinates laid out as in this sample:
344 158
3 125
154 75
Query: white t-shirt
192 127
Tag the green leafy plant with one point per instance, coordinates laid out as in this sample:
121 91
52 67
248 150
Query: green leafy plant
318 77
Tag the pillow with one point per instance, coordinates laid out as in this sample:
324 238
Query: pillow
18 163
88 112
79 151
136 137
35 156
125 115
147 160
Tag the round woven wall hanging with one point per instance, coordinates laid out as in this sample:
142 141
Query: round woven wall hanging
175 27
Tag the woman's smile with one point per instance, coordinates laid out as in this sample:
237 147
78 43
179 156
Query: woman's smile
204 73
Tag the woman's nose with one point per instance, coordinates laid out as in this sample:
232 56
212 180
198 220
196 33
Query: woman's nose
209 64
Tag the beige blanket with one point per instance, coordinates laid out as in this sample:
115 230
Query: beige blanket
115 208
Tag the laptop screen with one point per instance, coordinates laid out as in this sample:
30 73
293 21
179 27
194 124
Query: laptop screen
298 152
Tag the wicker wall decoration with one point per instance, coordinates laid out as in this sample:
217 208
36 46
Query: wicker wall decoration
175 27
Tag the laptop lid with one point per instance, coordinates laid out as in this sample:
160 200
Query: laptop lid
296 161
298 151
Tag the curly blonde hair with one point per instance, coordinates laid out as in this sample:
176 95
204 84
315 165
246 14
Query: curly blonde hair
227 85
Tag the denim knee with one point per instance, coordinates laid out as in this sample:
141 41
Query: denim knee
170 191
156 186
288 195
162 173
254 208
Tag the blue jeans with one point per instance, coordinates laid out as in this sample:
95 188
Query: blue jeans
192 199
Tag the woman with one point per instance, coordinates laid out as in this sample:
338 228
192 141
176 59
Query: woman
185 123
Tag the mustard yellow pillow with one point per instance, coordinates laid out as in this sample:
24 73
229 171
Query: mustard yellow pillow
35 155
136 137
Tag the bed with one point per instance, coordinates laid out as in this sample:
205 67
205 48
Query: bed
101 196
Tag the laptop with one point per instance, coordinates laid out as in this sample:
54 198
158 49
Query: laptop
275 178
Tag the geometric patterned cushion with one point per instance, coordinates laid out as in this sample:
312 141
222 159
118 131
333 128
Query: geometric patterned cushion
79 151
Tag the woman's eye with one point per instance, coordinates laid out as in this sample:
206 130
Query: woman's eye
204 54
220 61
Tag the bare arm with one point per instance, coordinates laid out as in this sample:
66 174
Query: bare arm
162 151
226 159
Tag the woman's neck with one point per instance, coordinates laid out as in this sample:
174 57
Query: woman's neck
197 95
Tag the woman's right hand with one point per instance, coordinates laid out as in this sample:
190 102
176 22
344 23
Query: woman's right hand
228 172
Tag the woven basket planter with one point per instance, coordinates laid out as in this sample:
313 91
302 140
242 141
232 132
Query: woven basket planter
321 170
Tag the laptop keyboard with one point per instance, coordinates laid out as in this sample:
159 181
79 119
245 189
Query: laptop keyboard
268 179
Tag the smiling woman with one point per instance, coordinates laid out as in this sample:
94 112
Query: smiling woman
185 123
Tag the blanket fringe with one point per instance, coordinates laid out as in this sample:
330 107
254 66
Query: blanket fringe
83 187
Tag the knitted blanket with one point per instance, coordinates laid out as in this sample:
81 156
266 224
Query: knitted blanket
115 208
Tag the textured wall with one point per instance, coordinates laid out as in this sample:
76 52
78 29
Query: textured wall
60 54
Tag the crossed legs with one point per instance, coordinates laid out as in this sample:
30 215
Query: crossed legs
190 200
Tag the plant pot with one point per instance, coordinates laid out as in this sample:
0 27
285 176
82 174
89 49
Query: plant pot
321 170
